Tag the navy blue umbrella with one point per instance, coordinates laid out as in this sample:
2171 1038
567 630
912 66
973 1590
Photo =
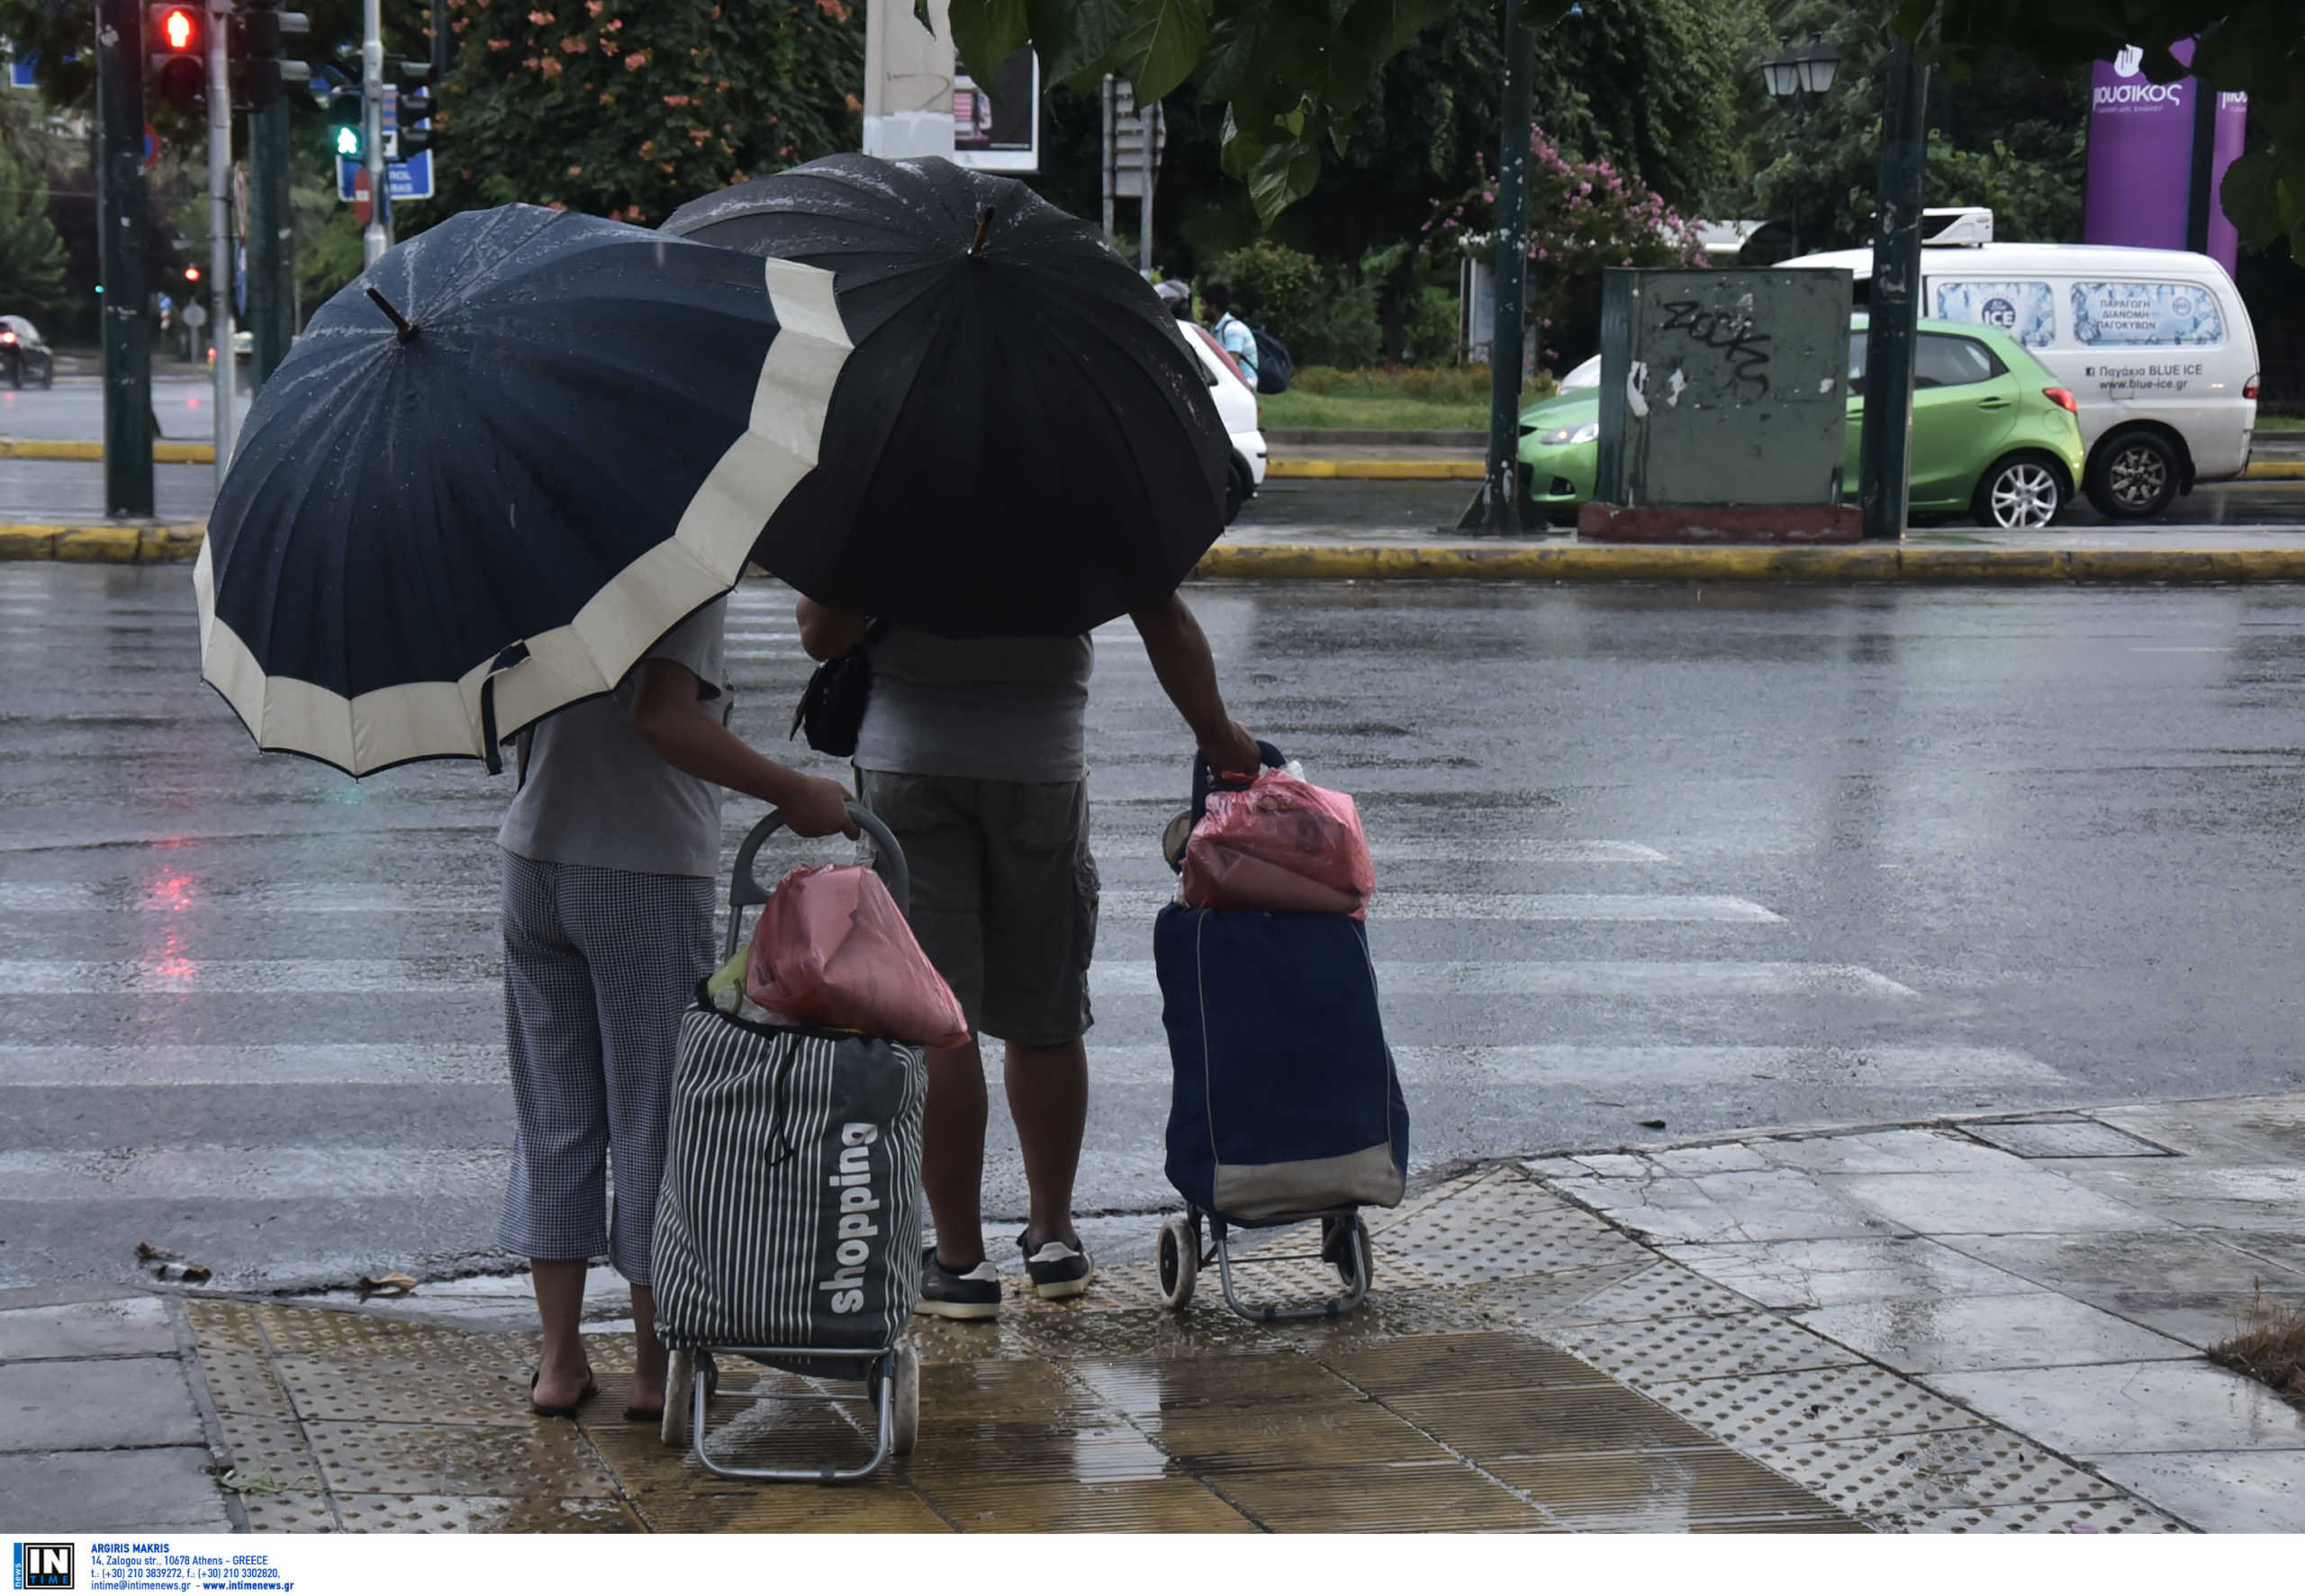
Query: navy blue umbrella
1021 444
498 467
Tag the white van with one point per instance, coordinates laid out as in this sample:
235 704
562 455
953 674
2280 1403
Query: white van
2154 345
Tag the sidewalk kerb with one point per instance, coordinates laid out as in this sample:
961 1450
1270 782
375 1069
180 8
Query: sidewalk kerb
164 452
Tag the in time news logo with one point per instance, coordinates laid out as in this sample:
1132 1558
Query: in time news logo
43 1565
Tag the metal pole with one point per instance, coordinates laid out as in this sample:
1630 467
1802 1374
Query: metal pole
377 237
1151 115
121 216
1884 448
220 223
1108 167
1495 510
271 247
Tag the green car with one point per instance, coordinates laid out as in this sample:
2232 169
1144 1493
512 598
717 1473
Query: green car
1994 435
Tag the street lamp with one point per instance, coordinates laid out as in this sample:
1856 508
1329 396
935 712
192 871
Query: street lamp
1801 76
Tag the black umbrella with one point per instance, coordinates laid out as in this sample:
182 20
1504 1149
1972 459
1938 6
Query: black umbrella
1022 443
497 468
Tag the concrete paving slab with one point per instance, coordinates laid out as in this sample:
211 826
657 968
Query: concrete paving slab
1975 1202
2232 1130
2194 1286
1825 1274
2037 1331
130 1327
1739 1206
1887 1152
126 1401
2193 1191
1720 1159
2226 1492
153 1489
2137 1407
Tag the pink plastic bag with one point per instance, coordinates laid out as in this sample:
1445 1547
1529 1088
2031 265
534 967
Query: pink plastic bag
1282 845
831 949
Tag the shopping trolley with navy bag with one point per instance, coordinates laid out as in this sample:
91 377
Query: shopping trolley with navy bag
788 1226
1285 1107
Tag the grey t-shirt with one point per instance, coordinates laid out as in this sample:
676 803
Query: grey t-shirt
990 708
597 795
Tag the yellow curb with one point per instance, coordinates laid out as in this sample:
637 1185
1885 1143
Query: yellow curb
2276 469
163 453
1398 471
1840 564
28 543
101 545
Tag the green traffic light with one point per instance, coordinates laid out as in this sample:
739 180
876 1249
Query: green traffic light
347 141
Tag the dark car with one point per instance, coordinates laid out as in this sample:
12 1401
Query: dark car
25 360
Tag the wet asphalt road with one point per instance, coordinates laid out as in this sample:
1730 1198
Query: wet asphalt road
1720 858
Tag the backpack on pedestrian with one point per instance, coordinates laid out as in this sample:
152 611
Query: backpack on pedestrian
1275 369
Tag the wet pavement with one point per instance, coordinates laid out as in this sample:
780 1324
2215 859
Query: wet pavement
1987 1325
183 406
1719 859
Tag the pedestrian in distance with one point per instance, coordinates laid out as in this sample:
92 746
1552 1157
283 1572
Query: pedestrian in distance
610 852
971 751
1232 332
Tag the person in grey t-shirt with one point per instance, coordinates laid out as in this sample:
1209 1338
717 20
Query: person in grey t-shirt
971 752
610 848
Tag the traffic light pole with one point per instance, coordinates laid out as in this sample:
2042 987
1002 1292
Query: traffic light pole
376 238
1885 446
1497 509
121 211
220 223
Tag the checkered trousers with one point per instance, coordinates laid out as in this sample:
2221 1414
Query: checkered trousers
598 965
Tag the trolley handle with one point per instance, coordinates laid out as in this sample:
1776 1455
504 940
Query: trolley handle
744 888
1206 782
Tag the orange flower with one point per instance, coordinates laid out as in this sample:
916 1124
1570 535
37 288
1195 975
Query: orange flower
542 19
551 69
500 44
575 171
571 45
647 148
593 7
635 60
854 104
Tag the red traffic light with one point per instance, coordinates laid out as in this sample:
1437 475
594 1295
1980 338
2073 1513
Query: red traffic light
179 28
192 273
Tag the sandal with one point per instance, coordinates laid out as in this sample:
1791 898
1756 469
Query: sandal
591 1390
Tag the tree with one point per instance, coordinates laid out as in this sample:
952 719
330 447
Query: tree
32 253
2257 47
628 108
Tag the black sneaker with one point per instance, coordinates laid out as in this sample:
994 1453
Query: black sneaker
950 1294
1056 1270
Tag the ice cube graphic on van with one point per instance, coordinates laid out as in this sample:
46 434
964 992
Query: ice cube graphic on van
2025 310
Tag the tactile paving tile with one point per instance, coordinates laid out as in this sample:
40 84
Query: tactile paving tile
1469 1361
1021 1390
1493 1427
241 1382
960 1456
273 1445
1136 1332
365 1514
347 1333
224 1325
1382 1498
548 1458
1248 1380
1559 1297
2064 1138
1386 1314
1502 1226
1665 1290
705 1504
1296 1437
1942 1470
2046 1518
961 1341
378 1389
1766 1414
1177 1506
293 1512
1692 1348
1381 1219
1660 1491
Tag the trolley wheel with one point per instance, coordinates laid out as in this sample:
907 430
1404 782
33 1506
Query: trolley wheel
1180 1261
1353 1260
680 1388
904 1419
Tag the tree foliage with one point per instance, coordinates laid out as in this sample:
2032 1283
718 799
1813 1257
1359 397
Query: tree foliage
31 252
2257 47
627 108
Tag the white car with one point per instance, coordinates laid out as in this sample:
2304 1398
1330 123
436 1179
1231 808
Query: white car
2154 345
1236 406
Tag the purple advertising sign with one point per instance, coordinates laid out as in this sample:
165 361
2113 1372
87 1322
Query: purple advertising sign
2232 127
2139 186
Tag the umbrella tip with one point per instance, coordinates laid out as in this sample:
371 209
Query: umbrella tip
407 330
983 231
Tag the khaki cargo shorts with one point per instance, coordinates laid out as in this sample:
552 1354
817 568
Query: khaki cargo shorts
1004 896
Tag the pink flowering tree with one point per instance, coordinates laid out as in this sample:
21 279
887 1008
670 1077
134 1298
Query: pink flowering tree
626 108
1584 217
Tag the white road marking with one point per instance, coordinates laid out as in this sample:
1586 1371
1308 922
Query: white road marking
1517 907
1920 1069
1572 978
195 1064
168 976
264 1173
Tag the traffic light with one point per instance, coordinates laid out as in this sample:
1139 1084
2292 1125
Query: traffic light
176 46
345 123
264 28
415 109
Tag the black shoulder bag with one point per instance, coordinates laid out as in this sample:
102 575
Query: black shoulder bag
831 710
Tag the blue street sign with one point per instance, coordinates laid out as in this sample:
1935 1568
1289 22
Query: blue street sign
19 70
411 179
240 282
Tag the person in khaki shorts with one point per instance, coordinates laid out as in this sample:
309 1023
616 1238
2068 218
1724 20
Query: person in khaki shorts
971 753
